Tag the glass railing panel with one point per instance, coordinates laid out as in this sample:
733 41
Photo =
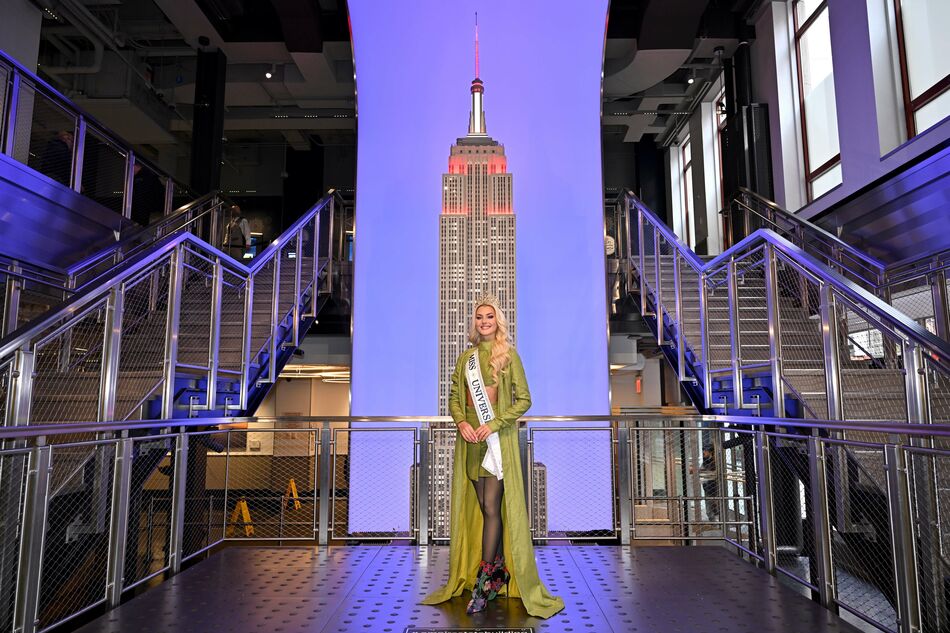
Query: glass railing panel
104 169
148 194
44 135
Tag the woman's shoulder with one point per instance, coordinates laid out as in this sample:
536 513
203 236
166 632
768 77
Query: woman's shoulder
468 351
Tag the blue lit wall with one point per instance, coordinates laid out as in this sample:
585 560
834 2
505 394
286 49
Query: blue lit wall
541 64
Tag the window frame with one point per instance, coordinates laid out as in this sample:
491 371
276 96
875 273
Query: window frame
811 175
911 105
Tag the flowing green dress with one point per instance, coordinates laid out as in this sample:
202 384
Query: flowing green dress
465 545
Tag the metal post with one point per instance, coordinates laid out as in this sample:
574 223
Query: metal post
274 319
763 465
938 290
658 291
422 485
640 273
215 237
79 154
175 282
33 529
13 103
298 271
11 301
824 575
316 263
22 387
330 236
915 384
678 292
246 350
704 333
775 332
326 456
733 287
118 533
902 539
829 337
214 344
111 344
129 185
169 197
623 483
177 518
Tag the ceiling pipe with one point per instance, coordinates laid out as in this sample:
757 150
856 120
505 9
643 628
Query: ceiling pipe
91 69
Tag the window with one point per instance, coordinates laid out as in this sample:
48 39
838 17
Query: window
817 97
922 27
687 161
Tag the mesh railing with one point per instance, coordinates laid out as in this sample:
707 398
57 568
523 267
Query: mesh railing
76 540
14 466
68 370
861 539
204 504
791 506
766 309
861 523
270 485
583 508
872 376
374 483
151 485
141 361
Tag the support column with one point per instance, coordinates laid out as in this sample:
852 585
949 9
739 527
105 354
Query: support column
208 126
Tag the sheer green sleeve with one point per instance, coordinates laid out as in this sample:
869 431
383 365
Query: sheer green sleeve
521 396
457 393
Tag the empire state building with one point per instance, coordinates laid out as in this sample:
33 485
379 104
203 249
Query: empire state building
476 236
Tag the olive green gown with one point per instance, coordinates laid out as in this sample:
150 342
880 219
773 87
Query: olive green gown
465 545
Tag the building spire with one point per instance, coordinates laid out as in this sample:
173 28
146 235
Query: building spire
476 121
476 44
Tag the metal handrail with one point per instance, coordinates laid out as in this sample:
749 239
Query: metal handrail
173 426
870 262
921 347
901 323
131 241
85 122
172 251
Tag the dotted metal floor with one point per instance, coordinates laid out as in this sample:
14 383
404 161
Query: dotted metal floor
375 588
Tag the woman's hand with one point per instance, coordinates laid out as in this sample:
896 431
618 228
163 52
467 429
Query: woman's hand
468 433
482 432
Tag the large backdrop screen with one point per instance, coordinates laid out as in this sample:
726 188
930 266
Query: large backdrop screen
451 204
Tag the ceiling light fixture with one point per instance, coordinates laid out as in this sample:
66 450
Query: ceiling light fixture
270 73
692 78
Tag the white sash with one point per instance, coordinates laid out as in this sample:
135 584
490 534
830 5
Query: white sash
476 387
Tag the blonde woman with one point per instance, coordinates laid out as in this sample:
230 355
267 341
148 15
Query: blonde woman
489 521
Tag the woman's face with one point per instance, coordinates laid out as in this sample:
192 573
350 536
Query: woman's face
485 322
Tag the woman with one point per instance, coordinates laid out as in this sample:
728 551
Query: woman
489 518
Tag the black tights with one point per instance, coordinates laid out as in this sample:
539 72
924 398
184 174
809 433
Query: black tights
489 491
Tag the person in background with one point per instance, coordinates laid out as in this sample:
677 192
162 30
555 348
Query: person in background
57 159
148 195
237 235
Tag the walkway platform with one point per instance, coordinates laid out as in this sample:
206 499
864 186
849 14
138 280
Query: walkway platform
375 588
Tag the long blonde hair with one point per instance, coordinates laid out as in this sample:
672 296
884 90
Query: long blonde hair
501 348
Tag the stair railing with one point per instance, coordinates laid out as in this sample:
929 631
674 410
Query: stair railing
106 351
767 310
44 130
917 286
203 217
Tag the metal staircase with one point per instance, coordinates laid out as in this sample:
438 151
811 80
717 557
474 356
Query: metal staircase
164 324
769 328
